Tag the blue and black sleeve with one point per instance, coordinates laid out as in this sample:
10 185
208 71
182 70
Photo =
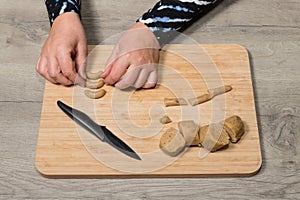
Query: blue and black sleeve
168 17
57 7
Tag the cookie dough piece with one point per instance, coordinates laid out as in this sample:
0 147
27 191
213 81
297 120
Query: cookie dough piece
218 91
93 76
234 127
200 99
95 94
213 137
211 93
174 102
165 119
189 129
172 142
92 84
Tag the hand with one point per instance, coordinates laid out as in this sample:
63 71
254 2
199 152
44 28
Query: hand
65 45
133 62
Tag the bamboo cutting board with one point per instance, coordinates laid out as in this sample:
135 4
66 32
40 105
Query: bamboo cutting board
66 150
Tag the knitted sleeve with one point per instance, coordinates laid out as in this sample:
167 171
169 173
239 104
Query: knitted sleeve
169 16
57 7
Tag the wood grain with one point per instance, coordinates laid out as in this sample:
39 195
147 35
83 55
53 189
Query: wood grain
65 149
268 29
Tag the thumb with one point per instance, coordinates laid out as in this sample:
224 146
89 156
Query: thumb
80 60
107 70
109 62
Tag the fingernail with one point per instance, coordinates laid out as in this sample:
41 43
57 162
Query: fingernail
105 73
82 74
149 85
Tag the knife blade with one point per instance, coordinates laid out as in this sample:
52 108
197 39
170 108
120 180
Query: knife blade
101 132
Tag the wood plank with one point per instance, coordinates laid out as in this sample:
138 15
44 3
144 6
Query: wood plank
65 149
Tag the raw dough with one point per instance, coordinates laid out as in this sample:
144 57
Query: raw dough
172 142
213 137
165 119
189 129
234 127
174 102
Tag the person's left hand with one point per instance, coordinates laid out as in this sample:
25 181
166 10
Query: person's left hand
134 59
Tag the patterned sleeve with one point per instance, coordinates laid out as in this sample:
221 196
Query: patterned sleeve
57 7
169 16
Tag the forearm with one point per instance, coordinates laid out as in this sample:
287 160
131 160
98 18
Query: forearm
57 7
169 16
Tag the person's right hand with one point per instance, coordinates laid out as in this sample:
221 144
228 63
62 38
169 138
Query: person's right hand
62 59
134 59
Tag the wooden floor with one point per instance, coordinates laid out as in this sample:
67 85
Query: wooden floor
270 30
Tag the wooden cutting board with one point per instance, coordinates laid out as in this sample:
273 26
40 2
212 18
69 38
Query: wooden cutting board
66 150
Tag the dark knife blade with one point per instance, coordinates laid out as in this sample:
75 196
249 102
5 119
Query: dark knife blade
99 131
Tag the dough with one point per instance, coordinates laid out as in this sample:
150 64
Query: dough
213 137
189 130
165 119
172 142
234 126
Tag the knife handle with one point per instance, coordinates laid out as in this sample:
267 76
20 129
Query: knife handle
83 120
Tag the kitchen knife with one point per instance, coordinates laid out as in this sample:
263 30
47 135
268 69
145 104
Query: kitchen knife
99 131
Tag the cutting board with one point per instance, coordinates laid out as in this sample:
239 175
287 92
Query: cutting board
66 150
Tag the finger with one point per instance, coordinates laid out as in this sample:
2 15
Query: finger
114 54
141 79
80 64
41 68
66 64
118 69
109 63
113 57
60 78
54 72
80 60
129 78
79 80
152 80
106 71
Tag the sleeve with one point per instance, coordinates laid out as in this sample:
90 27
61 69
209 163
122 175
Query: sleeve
57 7
168 17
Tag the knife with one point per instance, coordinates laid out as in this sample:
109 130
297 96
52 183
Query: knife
99 131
